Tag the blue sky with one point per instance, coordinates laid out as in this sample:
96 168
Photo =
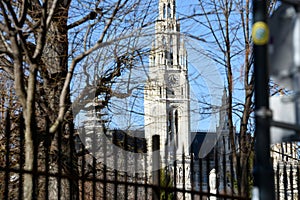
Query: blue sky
206 76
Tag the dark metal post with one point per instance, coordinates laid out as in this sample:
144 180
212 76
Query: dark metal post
263 171
155 167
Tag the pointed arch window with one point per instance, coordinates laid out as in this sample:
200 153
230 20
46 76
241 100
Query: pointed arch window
170 122
163 41
173 126
176 121
174 10
160 92
169 10
171 44
171 49
164 11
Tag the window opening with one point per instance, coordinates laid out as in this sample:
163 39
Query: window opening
169 10
164 11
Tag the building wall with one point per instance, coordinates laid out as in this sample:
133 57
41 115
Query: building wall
285 157
166 99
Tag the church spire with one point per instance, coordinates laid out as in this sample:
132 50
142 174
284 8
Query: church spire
223 113
224 97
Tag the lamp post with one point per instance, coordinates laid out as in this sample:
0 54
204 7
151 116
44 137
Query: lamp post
264 188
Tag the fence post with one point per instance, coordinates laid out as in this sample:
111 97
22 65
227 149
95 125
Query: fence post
155 167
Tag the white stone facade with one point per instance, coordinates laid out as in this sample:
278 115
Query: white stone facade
166 99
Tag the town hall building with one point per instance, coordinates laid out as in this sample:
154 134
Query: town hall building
167 114
167 106
166 92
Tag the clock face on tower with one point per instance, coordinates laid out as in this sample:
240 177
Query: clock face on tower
173 79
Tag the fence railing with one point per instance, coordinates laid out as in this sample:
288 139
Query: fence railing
186 177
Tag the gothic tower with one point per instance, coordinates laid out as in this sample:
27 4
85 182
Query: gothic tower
223 113
166 98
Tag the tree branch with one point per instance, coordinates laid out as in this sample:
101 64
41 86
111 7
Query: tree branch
64 92
92 15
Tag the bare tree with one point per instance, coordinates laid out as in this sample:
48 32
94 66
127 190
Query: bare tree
225 31
11 126
42 43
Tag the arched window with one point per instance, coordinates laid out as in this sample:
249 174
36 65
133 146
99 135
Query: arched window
170 121
160 57
169 10
170 55
171 44
163 41
174 8
176 121
164 11
160 92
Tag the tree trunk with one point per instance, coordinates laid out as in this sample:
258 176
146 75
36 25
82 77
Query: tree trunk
62 158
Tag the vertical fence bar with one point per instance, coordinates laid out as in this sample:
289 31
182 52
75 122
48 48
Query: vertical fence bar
285 182
136 175
83 163
282 151
165 181
104 143
165 168
200 176
21 160
216 158
59 146
7 158
278 181
155 167
224 166
286 151
35 171
73 164
232 177
175 170
248 178
183 175
207 172
94 140
192 176
291 181
47 158
126 164
94 178
114 141
298 182
146 176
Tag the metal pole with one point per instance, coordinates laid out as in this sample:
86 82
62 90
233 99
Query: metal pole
263 171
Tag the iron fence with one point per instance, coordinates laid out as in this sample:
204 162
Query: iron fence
186 177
